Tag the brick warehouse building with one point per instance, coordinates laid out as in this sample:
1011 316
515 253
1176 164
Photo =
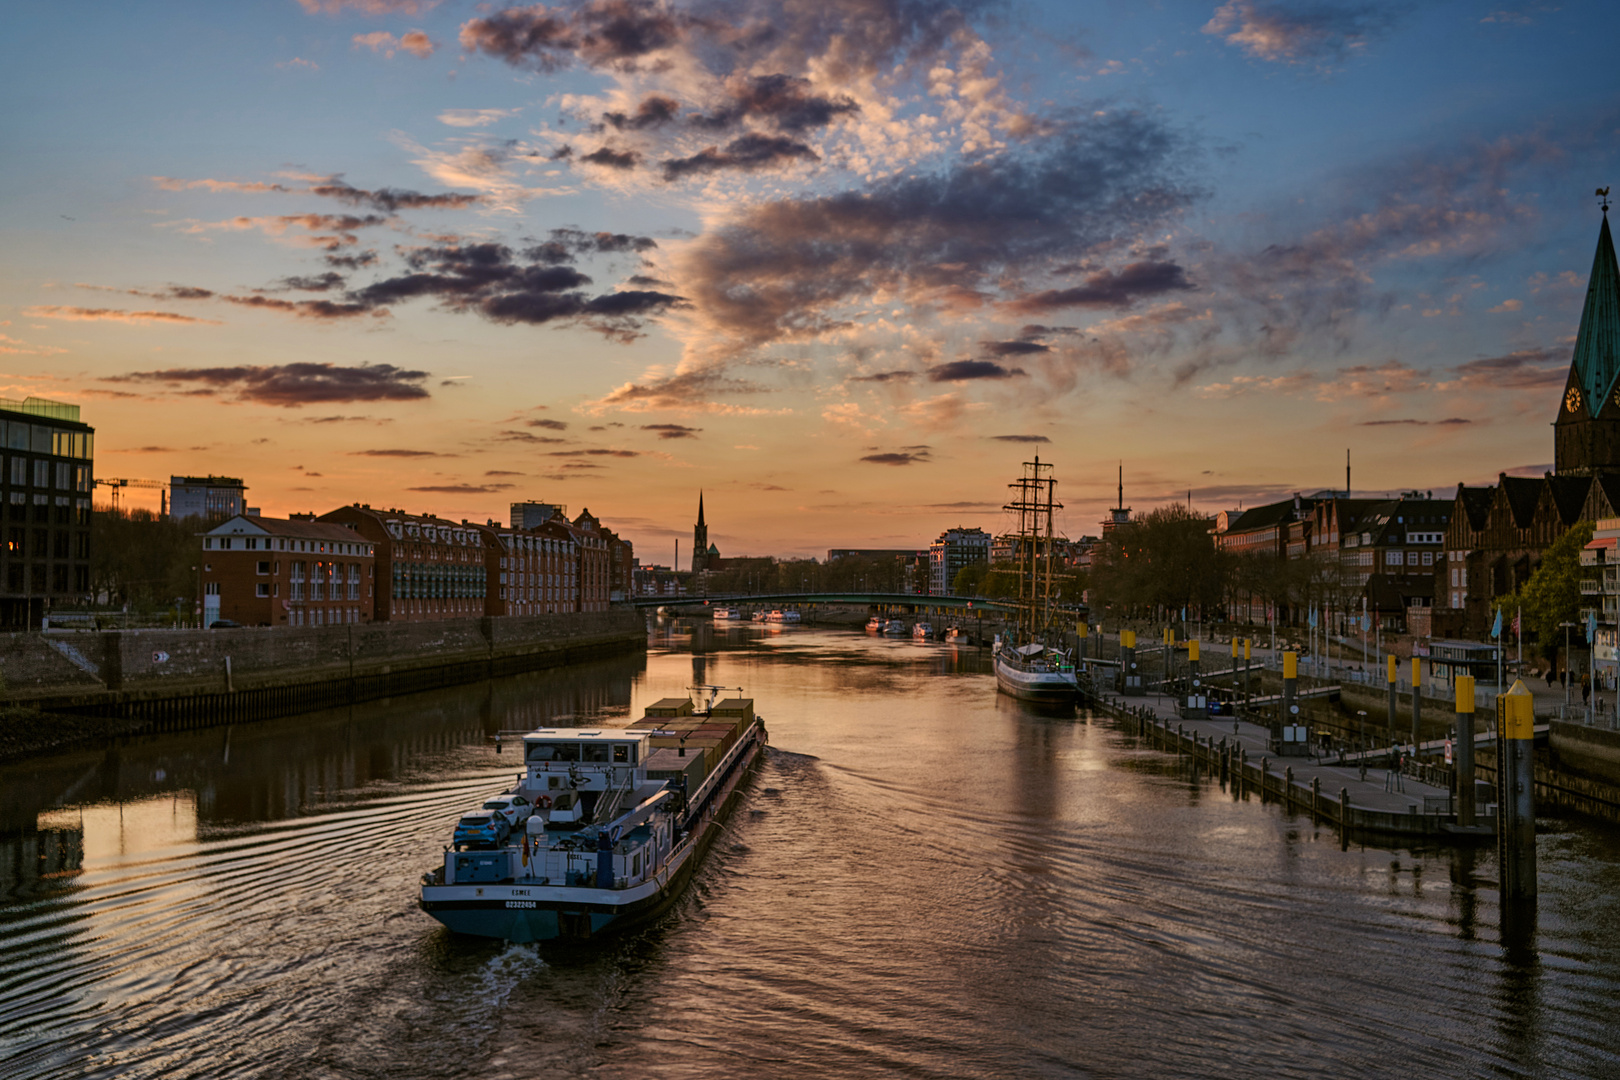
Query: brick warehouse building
296 571
531 571
427 568
45 485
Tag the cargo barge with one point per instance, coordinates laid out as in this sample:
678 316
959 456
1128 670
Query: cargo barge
608 824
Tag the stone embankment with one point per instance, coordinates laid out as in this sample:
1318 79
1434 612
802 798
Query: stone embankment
63 688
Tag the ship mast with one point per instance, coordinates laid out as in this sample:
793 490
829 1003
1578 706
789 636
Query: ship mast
1034 500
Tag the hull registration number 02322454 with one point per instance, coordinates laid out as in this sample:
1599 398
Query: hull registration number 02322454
521 904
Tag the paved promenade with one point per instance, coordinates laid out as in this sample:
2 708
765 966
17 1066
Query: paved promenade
1378 792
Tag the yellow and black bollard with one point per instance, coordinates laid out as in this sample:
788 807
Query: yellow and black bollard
1516 792
1130 679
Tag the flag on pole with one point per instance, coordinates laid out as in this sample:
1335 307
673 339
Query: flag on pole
1516 613
1496 627
1312 622
1366 623
1591 626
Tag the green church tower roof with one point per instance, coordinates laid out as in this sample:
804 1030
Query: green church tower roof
1597 344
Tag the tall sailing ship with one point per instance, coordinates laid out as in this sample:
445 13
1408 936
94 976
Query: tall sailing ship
1028 667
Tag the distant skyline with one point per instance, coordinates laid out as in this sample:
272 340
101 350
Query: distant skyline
842 266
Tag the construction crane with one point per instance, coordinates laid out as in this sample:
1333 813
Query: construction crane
118 483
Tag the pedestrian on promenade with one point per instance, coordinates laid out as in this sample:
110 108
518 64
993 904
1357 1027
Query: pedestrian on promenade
1586 689
1552 679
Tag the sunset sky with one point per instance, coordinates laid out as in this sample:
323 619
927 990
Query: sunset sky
841 264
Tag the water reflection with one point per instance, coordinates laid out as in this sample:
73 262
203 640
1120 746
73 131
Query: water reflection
930 880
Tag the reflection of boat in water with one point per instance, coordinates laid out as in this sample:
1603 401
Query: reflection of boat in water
922 631
1027 667
621 819
759 616
874 625
953 633
894 626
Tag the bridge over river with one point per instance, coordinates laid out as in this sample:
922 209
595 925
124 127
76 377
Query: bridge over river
888 601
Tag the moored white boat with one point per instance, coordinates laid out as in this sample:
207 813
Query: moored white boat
1035 673
922 631
895 627
874 625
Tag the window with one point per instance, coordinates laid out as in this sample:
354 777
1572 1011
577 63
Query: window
42 473
1428 558
1454 582
210 588
262 589
1393 558
262 566
64 476
1411 558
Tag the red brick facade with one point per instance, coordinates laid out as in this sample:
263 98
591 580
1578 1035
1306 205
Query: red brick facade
261 571
427 568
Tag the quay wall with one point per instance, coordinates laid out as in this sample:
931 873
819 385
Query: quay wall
180 679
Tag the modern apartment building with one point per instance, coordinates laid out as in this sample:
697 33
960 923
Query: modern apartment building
45 486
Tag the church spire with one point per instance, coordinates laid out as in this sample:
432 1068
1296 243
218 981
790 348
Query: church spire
700 508
1586 436
1597 344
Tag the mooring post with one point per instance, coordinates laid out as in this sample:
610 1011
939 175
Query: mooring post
1083 632
1290 689
1464 755
1516 792
1288 785
1344 809
1316 794
1197 703
1248 644
1392 688
1417 705
1130 680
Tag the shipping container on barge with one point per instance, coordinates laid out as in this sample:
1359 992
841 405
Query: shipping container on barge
622 817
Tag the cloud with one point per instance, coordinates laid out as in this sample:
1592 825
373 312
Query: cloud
292 385
299 62
655 110
11 346
609 158
81 314
964 370
320 283
1448 422
1507 306
547 422
170 183
884 376
334 231
1021 438
672 431
369 7
391 200
900 458
487 279
306 309
1105 289
461 489
397 453
474 118
1014 348
748 153
600 33
1525 369
1301 32
785 102
598 452
173 292
793 268
502 472
414 42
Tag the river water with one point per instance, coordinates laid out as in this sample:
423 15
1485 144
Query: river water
925 880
